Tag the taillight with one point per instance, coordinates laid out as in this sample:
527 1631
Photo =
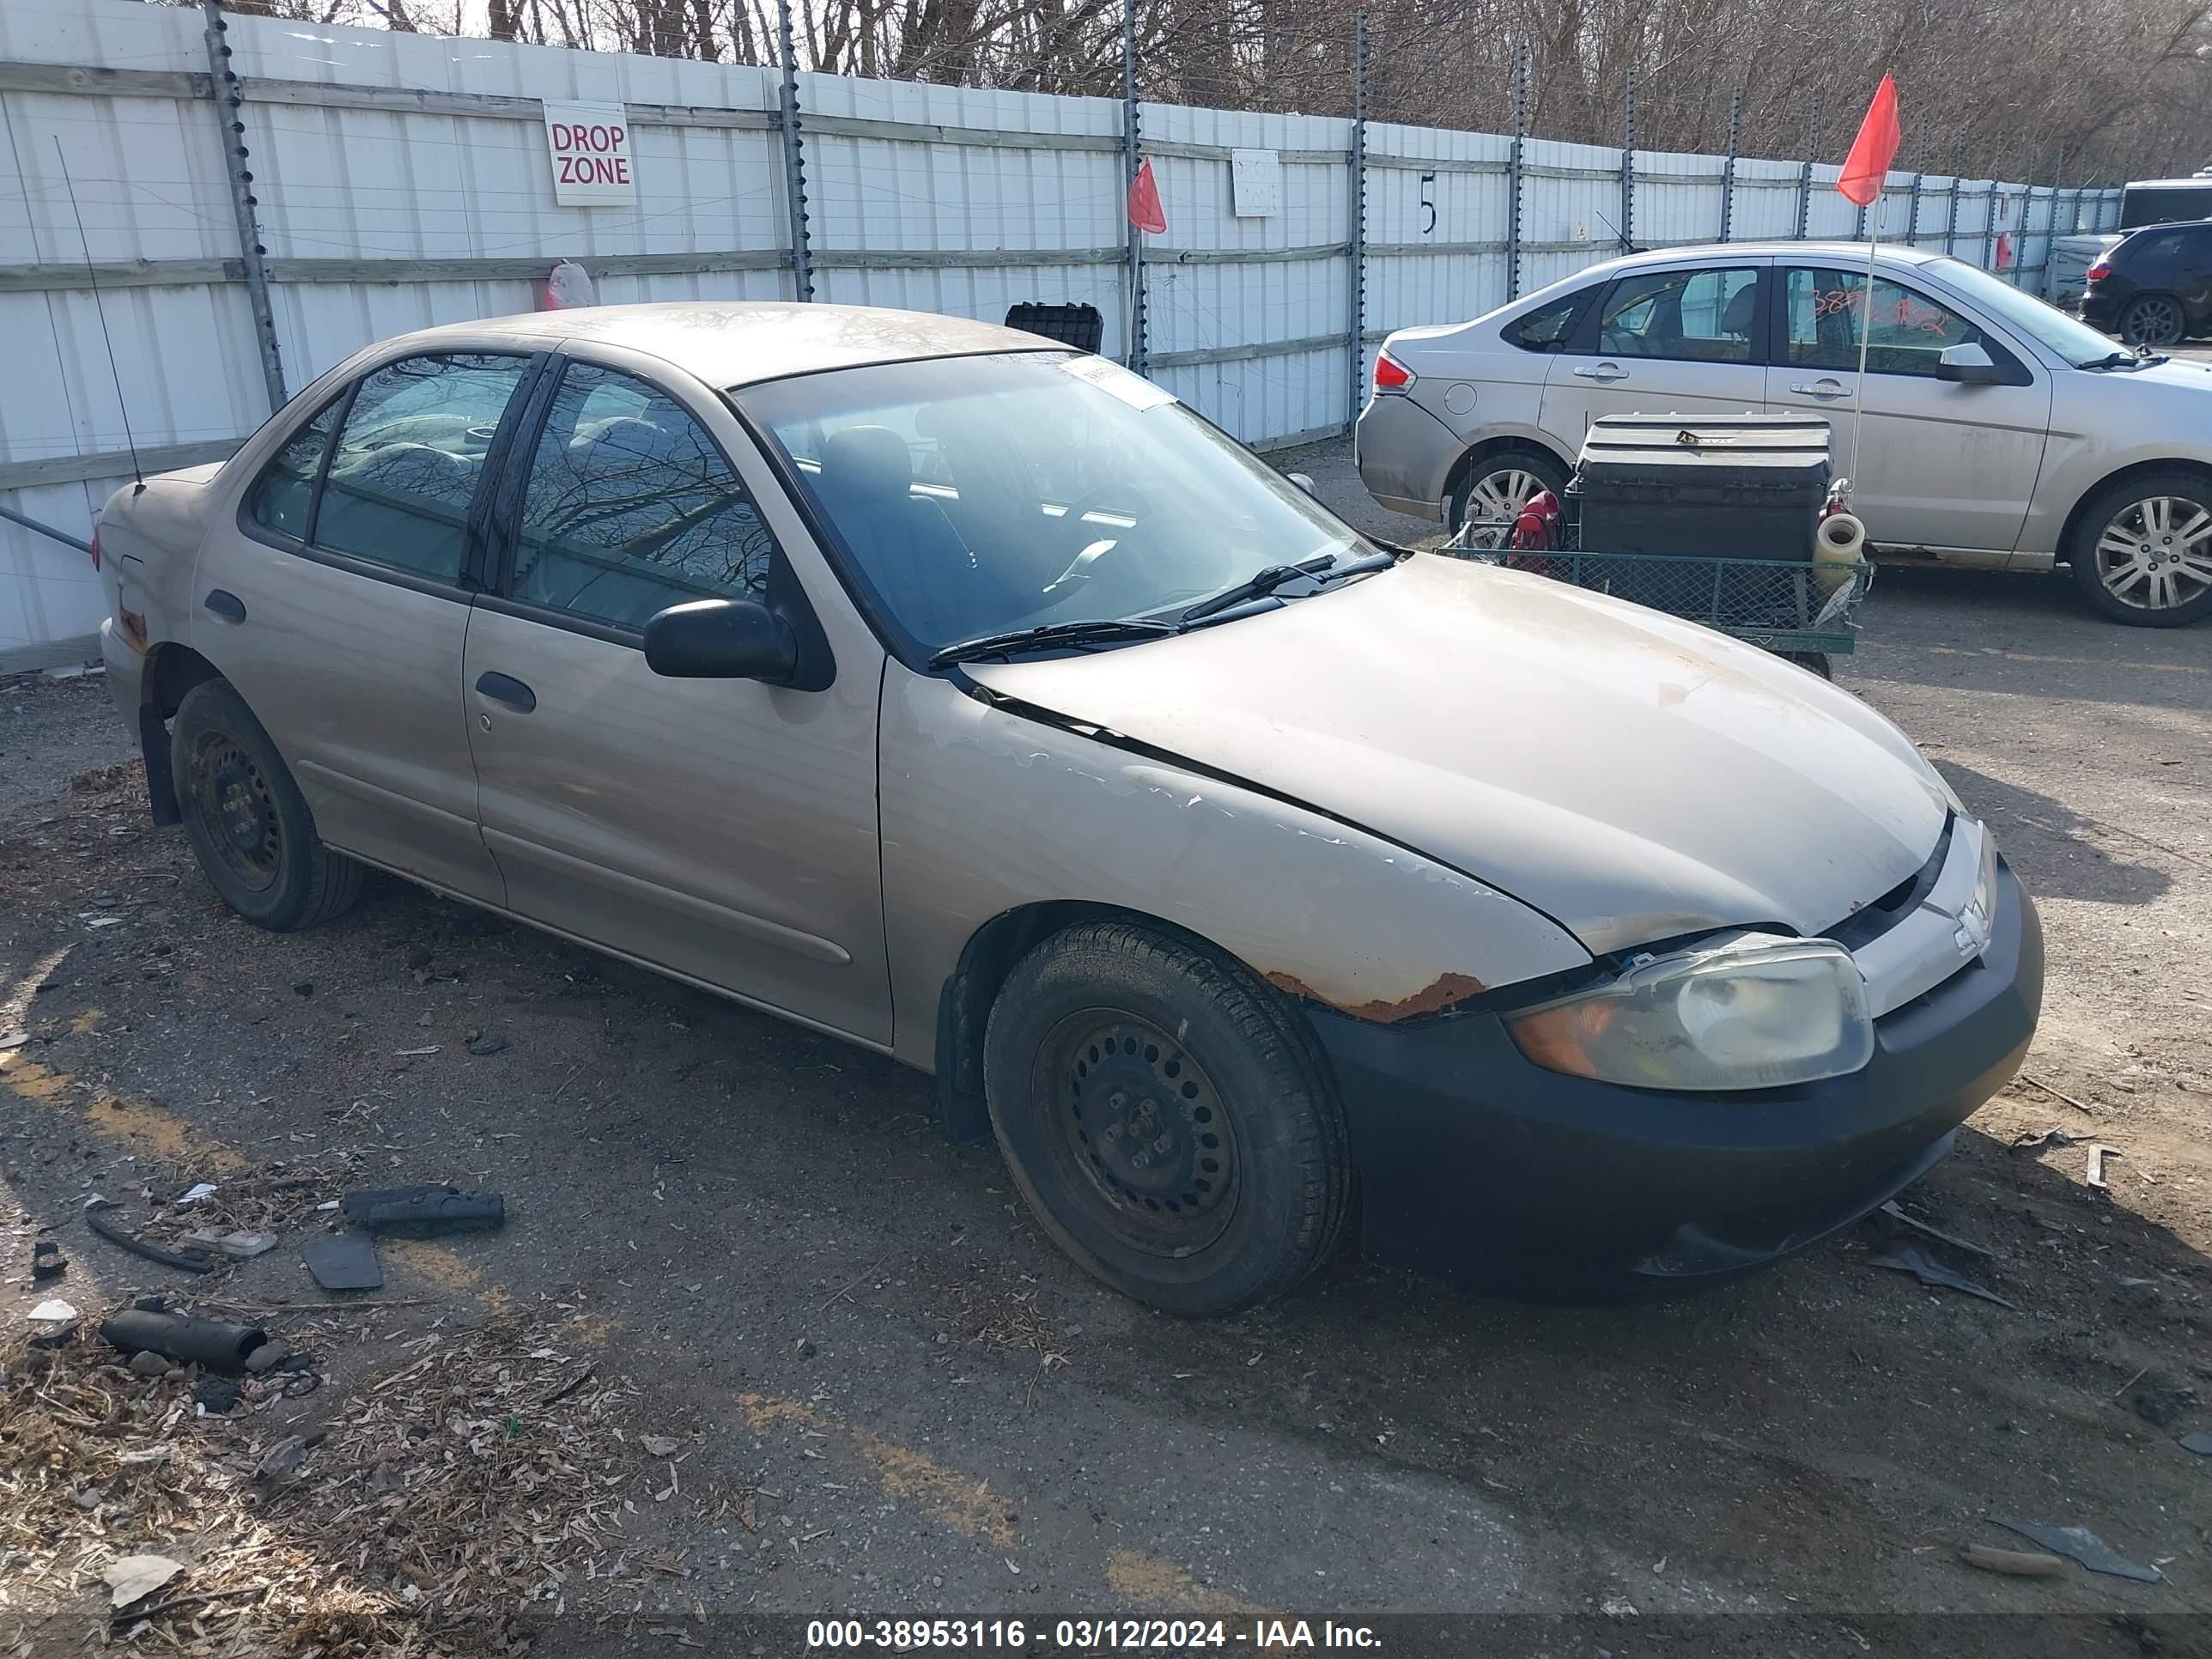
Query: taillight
2098 272
95 548
1391 375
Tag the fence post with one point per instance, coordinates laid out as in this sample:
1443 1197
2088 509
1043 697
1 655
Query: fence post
1513 171
794 158
1358 340
1951 220
1912 213
1989 218
1727 167
1628 160
1805 183
229 105
1132 136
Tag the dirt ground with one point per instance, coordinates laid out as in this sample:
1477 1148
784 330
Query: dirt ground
890 1396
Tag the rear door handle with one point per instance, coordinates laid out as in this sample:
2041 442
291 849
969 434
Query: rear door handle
1823 388
1603 372
507 689
224 606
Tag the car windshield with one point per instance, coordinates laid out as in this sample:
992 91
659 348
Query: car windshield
976 495
2077 342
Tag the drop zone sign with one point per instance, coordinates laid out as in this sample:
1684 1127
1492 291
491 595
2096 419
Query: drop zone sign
591 162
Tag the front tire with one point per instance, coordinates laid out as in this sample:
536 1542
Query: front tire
247 821
1496 489
2142 551
2153 319
1168 1118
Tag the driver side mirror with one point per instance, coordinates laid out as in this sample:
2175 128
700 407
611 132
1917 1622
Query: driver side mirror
1968 365
721 640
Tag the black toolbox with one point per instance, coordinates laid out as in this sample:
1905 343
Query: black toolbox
1738 486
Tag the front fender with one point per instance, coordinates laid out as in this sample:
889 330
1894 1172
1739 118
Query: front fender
986 808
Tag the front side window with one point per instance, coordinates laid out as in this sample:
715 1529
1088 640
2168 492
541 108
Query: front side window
1690 316
283 496
406 465
1910 331
973 495
631 507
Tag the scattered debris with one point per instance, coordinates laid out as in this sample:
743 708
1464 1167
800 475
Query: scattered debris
217 1394
1895 1211
269 1356
2200 1443
147 1362
344 1261
47 1260
214 1343
12 1040
2031 1142
199 1193
2096 1176
193 1262
424 1211
134 1578
52 1311
2162 1407
240 1244
2056 1094
305 988
415 1054
658 1445
2083 1546
1911 1259
486 1042
2019 1564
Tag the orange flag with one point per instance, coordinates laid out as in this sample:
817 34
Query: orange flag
1146 212
1866 169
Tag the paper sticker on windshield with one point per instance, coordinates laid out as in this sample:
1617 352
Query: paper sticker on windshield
1133 390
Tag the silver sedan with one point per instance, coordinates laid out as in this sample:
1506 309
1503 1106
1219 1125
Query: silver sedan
1998 433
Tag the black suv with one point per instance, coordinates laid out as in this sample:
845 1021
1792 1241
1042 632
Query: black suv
2155 288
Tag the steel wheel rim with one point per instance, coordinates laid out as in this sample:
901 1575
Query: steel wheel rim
2154 320
1141 1119
2156 554
1496 499
236 811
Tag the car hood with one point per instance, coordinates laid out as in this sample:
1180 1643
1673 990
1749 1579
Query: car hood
1632 776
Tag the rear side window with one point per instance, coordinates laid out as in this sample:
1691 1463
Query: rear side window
631 507
406 465
2159 246
1548 327
283 496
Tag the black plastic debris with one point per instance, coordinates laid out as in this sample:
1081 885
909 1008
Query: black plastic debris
48 1261
424 1211
344 1261
2083 1546
2200 1443
1911 1259
191 1261
1896 1213
217 1393
268 1356
486 1042
216 1343
2162 1407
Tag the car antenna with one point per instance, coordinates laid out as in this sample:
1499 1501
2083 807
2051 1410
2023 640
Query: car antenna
1626 246
100 310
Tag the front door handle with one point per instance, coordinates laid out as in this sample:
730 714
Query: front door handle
224 606
506 689
1823 388
1603 372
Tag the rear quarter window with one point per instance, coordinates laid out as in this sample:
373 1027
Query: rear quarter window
1548 327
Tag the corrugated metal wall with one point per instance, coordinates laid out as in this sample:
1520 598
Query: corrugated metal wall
402 180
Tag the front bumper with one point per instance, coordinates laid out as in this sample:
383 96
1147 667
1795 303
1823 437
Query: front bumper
1478 1164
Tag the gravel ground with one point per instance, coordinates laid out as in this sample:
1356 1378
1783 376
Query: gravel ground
892 1397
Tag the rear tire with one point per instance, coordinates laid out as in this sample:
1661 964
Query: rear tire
2154 320
1168 1118
247 821
2163 516
1499 485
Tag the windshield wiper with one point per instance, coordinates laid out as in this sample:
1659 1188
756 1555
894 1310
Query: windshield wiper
1048 634
1262 583
2127 360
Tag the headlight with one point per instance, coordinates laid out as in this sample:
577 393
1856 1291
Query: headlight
1746 1012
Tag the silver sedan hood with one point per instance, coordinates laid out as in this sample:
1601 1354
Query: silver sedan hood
1632 776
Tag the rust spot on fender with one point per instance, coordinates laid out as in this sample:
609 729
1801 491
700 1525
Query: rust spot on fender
1440 992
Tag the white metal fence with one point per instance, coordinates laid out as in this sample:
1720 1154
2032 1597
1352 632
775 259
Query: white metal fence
253 217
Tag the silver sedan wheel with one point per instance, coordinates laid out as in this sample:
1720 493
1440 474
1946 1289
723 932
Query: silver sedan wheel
1496 500
2156 554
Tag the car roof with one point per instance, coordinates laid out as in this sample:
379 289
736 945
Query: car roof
1899 252
730 343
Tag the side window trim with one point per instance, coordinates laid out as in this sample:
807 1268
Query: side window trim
344 405
483 555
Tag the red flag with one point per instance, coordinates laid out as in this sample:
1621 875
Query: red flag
1866 169
1146 212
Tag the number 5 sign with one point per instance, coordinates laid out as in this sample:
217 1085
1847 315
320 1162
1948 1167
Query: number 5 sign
590 147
